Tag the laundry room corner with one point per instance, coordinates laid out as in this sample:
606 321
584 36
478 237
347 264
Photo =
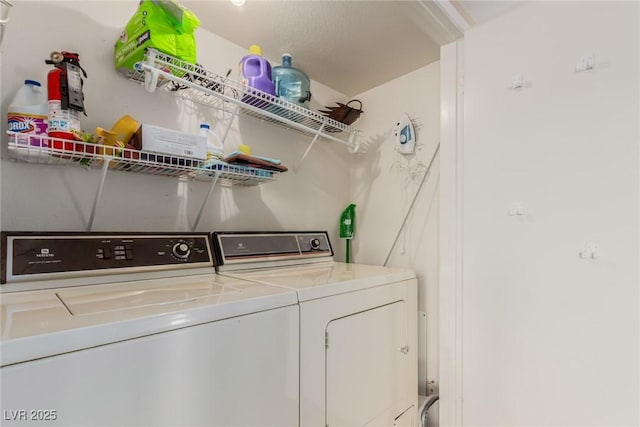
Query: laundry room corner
381 176
320 213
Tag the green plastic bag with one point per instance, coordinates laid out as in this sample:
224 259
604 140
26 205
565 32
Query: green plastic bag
164 25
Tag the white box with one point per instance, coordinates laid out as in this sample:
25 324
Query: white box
155 139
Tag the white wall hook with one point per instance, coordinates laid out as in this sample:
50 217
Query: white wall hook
586 63
516 210
590 251
517 81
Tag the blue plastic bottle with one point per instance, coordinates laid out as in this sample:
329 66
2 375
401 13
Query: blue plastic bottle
255 72
291 84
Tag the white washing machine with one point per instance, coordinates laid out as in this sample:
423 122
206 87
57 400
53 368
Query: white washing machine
137 329
358 326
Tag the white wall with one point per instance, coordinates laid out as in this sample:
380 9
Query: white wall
550 338
37 197
383 183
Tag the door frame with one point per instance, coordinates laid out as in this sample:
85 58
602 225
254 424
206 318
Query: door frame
451 233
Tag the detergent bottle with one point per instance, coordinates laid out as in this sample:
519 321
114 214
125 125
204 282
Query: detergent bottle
291 84
27 113
255 72
215 147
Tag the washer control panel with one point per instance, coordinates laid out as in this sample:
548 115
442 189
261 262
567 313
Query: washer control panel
31 256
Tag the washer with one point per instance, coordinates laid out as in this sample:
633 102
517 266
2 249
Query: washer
358 326
137 329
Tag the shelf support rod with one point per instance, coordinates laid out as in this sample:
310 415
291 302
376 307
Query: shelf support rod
96 200
214 180
230 122
304 156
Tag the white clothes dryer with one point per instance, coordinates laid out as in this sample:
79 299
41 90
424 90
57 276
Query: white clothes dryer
358 326
138 330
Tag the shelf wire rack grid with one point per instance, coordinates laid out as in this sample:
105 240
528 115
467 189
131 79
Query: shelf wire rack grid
195 83
54 151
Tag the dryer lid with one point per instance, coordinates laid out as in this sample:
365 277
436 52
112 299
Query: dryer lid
327 278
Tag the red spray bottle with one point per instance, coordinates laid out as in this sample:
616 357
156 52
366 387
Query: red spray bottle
65 97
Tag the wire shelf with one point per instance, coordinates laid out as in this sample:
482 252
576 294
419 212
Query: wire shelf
195 83
55 151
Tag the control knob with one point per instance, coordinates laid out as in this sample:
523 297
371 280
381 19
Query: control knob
181 250
315 244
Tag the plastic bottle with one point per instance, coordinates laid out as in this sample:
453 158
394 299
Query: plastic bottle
27 113
255 72
215 147
347 228
291 84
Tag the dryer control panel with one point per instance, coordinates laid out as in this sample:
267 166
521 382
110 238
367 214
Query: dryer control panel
273 248
38 256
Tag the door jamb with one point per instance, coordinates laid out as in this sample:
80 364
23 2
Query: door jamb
451 234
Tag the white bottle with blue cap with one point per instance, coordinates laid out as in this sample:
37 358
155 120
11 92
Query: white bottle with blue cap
215 147
27 113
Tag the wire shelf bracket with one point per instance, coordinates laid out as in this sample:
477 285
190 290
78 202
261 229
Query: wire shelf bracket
4 21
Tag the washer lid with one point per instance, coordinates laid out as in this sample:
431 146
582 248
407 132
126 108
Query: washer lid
82 301
36 324
329 278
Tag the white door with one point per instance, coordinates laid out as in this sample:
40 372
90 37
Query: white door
367 366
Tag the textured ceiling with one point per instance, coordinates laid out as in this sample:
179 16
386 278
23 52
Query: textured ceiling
483 10
350 46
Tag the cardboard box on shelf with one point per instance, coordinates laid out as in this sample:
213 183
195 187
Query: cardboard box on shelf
155 139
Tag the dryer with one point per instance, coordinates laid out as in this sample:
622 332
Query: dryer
358 326
137 329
